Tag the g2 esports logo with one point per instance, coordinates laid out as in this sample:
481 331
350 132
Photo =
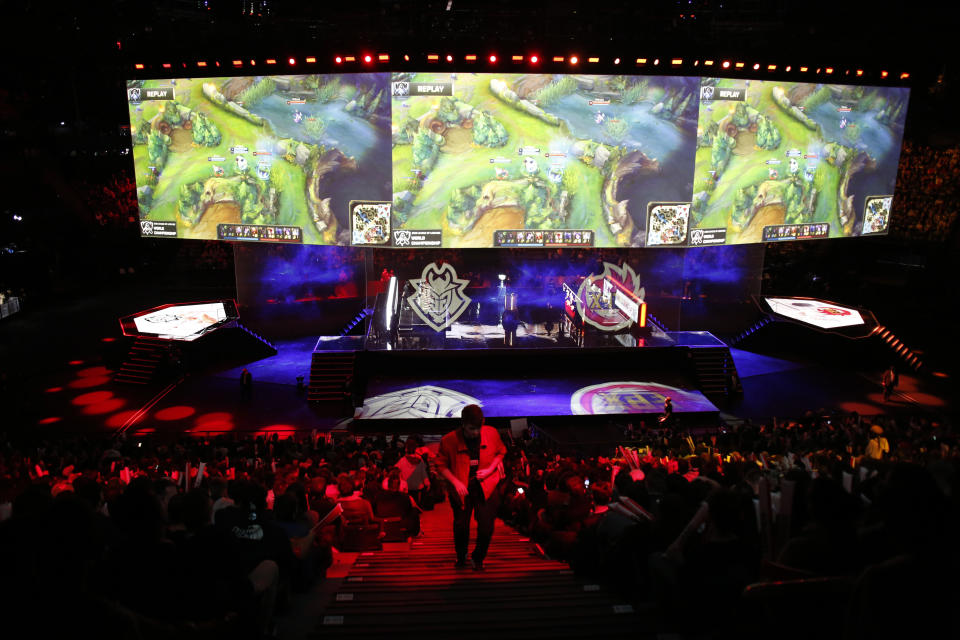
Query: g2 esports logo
595 304
426 401
438 296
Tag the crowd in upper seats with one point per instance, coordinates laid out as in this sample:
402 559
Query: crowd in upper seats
136 535
925 205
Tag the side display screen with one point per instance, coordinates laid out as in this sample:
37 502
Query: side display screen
180 321
792 161
819 313
463 160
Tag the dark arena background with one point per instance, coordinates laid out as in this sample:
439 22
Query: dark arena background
693 261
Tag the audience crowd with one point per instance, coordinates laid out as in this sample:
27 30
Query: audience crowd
211 536
925 205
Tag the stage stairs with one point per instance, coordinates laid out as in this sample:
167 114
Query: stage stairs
329 373
715 370
902 351
258 337
142 362
412 590
356 320
743 335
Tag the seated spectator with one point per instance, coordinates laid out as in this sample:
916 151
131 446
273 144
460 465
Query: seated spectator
394 503
414 472
356 509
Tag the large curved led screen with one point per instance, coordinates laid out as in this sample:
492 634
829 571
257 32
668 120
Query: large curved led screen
451 159
792 160
266 158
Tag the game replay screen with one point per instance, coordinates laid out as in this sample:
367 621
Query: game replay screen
791 161
527 160
461 160
261 159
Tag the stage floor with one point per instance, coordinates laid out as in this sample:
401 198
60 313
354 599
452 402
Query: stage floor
513 397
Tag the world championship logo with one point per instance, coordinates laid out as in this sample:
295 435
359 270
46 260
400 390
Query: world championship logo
595 298
626 397
438 297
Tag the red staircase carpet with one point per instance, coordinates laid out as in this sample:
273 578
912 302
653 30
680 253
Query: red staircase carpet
413 591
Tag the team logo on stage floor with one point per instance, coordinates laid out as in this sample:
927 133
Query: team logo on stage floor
595 298
438 296
624 397
417 402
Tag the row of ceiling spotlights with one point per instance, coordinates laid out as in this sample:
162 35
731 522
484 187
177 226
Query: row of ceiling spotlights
572 60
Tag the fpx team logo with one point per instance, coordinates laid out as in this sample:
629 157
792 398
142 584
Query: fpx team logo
595 298
438 296
833 311
625 397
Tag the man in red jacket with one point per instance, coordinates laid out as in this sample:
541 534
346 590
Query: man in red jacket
470 459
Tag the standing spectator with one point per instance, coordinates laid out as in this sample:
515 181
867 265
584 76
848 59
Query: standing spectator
246 384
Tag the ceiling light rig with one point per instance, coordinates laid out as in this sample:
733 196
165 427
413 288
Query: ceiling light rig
533 59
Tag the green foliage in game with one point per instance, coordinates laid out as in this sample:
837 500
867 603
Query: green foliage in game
329 91
488 132
554 91
426 148
257 92
768 136
157 146
205 131
723 146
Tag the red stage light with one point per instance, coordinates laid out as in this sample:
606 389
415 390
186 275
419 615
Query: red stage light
574 59
291 61
829 69
86 383
50 420
756 66
383 57
120 418
166 65
91 398
107 339
311 60
593 60
174 413
433 57
493 59
534 59
368 59
884 74
54 389
338 59
616 61
471 57
253 63
726 64
138 66
406 58
449 58
201 63
271 61
107 406
238 63
94 371
75 362
904 75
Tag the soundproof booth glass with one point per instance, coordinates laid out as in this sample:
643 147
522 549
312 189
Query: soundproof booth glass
435 160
